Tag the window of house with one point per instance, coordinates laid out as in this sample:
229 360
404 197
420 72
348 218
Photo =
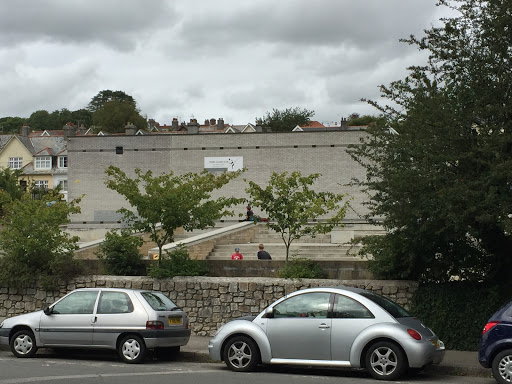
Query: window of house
41 184
43 162
15 162
63 161
63 184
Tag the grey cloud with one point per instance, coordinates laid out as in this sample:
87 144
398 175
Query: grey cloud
41 89
116 23
267 95
322 22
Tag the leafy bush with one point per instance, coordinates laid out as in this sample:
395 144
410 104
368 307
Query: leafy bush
120 254
458 311
302 268
178 263
33 245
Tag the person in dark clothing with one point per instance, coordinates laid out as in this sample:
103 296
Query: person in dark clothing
262 254
249 215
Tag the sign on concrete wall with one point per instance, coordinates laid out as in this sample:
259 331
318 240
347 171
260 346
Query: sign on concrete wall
234 163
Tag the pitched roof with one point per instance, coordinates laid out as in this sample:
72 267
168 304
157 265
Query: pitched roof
4 139
47 132
313 124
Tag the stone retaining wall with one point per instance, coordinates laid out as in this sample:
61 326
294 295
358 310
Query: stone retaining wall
209 301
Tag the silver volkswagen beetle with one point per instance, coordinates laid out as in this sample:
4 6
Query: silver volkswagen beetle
337 327
129 321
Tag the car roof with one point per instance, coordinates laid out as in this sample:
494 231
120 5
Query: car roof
338 288
114 289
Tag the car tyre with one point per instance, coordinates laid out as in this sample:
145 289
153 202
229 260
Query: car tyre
385 361
502 366
23 344
132 349
241 354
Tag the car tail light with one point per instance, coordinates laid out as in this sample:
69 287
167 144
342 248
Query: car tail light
414 334
489 326
154 325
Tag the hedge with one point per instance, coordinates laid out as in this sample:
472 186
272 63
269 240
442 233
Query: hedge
457 311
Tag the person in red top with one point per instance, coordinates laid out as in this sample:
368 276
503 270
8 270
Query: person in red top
237 255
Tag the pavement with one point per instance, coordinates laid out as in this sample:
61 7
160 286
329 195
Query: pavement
455 363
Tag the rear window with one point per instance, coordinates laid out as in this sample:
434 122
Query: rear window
158 301
391 307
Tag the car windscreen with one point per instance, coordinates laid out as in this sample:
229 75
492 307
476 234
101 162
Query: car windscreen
158 301
392 308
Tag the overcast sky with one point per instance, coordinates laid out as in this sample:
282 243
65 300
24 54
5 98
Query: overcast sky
234 59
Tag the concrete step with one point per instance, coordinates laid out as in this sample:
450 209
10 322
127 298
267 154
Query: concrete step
195 232
278 251
265 236
283 257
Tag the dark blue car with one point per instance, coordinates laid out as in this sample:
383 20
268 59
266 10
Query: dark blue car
496 345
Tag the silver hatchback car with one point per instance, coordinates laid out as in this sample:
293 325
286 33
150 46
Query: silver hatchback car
127 320
337 327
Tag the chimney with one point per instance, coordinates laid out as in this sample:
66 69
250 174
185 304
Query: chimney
25 130
82 130
344 122
259 125
175 124
68 131
130 129
206 122
220 124
193 126
213 122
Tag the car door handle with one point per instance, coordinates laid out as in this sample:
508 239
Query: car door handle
324 326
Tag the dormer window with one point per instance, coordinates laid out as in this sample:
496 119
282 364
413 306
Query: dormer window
43 162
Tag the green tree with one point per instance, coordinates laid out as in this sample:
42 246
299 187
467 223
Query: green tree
291 204
287 119
442 185
40 120
9 182
82 117
59 118
32 241
11 124
167 202
114 115
103 97
366 120
120 254
10 188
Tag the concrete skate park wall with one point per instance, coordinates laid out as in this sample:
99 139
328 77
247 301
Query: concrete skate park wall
209 301
259 153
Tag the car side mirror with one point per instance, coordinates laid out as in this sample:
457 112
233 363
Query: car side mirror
47 310
269 313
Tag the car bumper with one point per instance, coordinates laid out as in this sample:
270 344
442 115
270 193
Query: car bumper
426 353
156 339
214 348
4 336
